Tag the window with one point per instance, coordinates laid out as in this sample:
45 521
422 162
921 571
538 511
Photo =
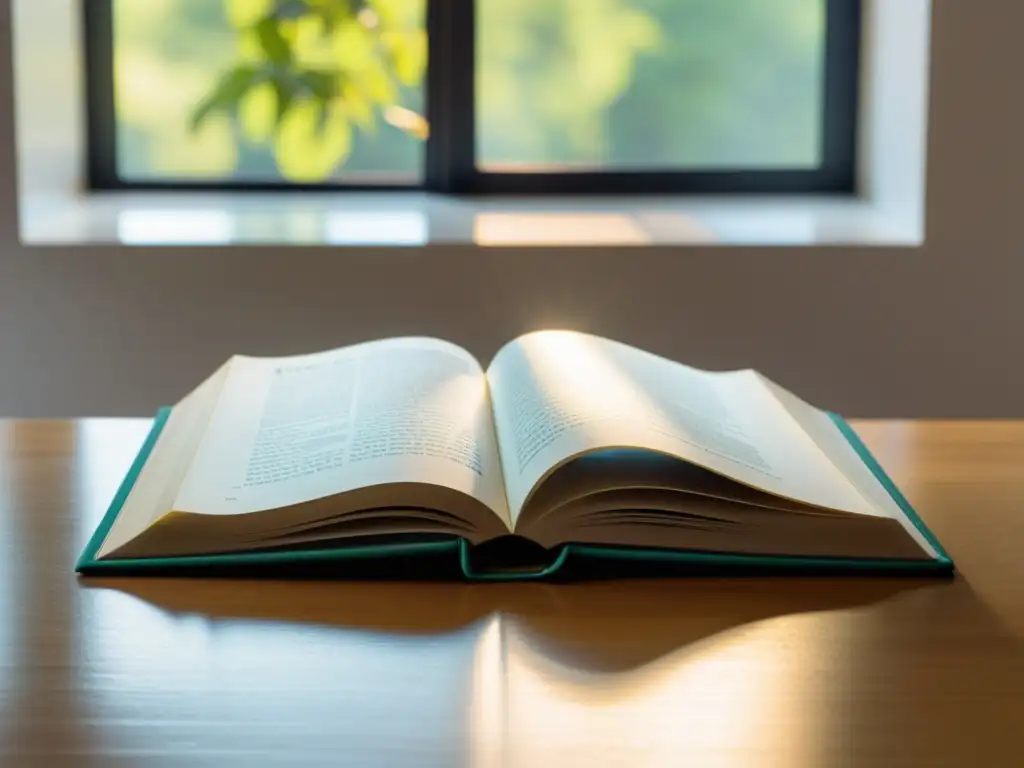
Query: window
474 96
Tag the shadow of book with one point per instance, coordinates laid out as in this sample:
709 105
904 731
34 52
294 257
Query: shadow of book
604 627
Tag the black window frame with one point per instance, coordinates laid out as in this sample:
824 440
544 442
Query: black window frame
450 163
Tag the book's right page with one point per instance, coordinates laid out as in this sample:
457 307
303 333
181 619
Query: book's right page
598 561
559 396
840 444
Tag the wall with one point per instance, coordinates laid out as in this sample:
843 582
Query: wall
870 331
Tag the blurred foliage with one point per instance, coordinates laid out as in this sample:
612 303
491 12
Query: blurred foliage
650 83
310 72
553 68
310 90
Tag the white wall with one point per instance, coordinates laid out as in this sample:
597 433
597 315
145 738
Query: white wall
931 331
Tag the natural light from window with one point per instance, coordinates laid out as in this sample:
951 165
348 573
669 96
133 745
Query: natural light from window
649 84
267 91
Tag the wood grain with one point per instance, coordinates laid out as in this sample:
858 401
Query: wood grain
707 672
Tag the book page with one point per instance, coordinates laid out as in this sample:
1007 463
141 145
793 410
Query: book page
560 394
291 430
160 478
833 444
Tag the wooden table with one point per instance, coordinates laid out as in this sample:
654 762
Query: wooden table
707 672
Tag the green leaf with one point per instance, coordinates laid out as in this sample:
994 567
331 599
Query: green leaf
379 85
409 53
324 115
285 90
323 85
353 46
226 96
308 147
256 113
328 16
273 42
264 107
245 13
357 107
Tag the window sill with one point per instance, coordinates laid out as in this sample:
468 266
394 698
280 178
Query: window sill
417 219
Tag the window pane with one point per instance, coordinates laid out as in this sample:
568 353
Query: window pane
649 84
305 92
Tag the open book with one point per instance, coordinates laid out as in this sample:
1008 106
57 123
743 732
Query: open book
565 439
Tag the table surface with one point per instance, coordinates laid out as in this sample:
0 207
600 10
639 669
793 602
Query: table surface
784 671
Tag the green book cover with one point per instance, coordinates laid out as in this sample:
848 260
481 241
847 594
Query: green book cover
449 557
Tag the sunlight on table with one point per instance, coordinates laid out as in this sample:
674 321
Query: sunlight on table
723 698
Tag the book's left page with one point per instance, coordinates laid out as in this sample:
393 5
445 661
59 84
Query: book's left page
389 431
167 464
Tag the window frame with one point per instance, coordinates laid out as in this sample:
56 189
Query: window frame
450 151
